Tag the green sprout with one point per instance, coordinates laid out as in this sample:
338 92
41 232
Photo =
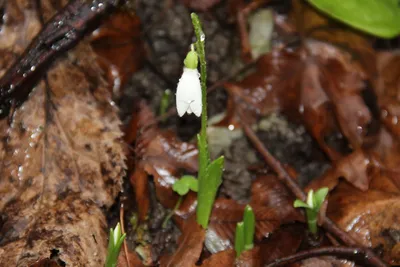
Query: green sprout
244 235
114 246
165 101
313 205
182 187
210 172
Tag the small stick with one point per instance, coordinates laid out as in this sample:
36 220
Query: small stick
354 254
121 221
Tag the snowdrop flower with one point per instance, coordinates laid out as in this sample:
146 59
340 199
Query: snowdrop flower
188 92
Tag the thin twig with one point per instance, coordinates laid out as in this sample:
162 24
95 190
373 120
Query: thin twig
286 179
121 221
359 255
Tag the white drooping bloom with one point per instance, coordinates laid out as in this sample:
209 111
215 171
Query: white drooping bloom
188 93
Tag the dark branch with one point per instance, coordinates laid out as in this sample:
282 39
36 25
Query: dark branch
59 34
358 255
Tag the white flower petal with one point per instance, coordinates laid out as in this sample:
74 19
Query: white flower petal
188 93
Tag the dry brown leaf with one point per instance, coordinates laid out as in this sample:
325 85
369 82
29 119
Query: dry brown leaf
189 248
62 161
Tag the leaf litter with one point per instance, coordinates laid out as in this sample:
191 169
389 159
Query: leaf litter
63 159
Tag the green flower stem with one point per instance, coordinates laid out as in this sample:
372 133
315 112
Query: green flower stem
312 220
204 158
203 71
171 213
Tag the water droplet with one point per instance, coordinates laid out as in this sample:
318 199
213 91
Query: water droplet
33 68
202 37
231 127
301 109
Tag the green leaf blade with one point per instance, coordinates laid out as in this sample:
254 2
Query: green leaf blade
239 239
249 221
208 188
376 17
300 204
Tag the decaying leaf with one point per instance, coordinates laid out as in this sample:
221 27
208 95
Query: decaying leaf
61 158
369 216
223 258
189 248
160 154
272 205
120 49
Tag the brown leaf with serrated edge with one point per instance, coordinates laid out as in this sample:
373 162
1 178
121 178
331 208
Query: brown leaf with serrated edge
62 161
189 248
369 216
120 49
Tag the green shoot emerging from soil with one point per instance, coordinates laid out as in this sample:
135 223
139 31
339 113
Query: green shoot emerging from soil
114 246
244 234
313 205
210 172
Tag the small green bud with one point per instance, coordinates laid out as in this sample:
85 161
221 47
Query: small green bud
191 61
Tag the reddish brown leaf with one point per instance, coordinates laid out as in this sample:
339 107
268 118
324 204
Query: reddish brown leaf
268 191
249 258
200 5
62 160
368 216
272 205
132 260
354 168
120 48
162 155
223 258
283 242
189 248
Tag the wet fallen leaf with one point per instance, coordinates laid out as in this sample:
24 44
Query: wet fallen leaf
272 205
249 258
189 248
62 161
222 258
367 216
283 242
130 260
159 153
120 49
